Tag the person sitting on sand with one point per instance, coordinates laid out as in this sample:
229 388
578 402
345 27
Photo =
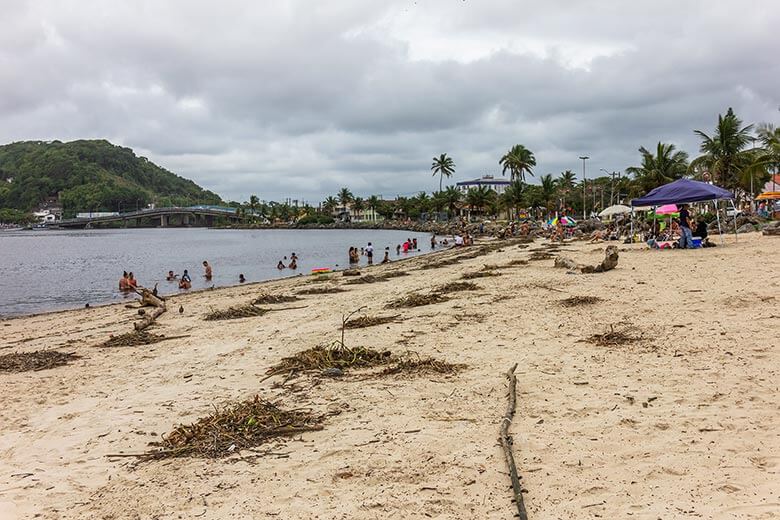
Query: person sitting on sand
123 286
597 236
132 283
241 278
293 264
185 282
386 259
171 276
280 265
458 240
206 270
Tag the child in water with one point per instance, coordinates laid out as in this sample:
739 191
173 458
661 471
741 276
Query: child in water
241 278
185 282
280 265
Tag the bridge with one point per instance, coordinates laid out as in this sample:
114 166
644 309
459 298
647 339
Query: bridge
201 216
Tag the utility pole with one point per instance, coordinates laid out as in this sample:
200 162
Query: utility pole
584 200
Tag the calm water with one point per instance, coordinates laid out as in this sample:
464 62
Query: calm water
49 270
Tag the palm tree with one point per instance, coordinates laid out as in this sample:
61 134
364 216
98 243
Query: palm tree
329 204
566 182
723 153
768 156
345 197
519 160
452 196
513 195
443 166
668 164
548 190
253 202
358 205
478 198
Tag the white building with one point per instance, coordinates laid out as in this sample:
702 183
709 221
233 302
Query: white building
497 185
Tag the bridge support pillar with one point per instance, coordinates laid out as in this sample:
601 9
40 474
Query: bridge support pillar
163 221
185 219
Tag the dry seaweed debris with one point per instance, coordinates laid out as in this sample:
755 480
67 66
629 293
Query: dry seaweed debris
269 299
412 363
369 278
321 290
456 287
480 274
234 427
395 274
335 355
442 263
233 313
576 301
34 361
369 321
614 337
516 262
538 255
136 338
417 300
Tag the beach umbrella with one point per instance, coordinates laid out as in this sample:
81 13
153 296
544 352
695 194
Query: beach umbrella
769 195
568 221
617 209
667 209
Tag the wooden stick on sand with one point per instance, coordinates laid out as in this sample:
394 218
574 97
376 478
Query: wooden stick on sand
506 442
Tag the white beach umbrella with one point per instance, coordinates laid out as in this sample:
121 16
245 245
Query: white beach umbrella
617 209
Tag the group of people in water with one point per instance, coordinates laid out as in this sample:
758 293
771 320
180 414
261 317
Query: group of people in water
292 265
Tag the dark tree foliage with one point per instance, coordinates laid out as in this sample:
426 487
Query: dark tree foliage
89 175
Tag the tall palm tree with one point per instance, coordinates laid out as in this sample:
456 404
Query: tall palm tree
513 195
548 190
443 166
329 204
452 196
723 153
766 158
668 164
345 197
566 183
478 198
422 201
358 205
519 160
253 202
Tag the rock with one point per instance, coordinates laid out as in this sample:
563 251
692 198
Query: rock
610 262
746 228
332 372
565 262
351 272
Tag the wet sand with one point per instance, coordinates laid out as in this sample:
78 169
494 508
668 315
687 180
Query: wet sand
680 422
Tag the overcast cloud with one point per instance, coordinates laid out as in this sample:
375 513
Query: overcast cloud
298 98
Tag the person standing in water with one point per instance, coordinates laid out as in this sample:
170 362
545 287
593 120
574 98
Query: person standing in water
241 278
370 253
433 242
185 282
123 285
132 283
207 270
280 265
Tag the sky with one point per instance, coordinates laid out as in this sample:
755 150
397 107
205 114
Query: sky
296 99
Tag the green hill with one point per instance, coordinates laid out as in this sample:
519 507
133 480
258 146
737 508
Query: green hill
92 175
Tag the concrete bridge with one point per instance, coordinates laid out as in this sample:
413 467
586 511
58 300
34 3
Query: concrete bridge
199 216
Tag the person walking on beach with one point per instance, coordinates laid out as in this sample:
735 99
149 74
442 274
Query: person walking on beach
686 237
370 253
206 270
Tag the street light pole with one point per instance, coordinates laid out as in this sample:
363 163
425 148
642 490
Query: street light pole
584 200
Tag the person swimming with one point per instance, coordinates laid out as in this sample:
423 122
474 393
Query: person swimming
171 276
293 264
185 282
280 265
241 278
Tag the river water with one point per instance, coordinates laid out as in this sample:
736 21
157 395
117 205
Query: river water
45 270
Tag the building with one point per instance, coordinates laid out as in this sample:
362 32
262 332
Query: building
497 185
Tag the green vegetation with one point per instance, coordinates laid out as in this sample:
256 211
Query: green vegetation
89 176
443 166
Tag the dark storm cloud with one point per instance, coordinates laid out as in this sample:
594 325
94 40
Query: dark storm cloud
296 99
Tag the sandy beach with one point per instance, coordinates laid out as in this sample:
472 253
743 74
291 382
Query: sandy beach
680 420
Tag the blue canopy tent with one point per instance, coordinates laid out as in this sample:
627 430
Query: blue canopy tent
684 191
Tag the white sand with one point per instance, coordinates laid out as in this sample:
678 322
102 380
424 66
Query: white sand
683 423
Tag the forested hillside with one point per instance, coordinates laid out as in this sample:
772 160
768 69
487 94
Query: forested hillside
92 175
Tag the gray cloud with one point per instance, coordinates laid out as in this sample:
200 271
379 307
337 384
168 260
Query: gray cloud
296 99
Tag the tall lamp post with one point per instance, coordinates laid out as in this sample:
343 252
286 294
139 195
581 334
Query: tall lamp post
584 200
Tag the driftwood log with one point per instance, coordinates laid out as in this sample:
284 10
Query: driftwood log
149 300
506 443
610 262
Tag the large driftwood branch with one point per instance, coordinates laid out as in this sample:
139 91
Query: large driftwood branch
150 300
506 443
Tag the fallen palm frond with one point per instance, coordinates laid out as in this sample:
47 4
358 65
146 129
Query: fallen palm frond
575 301
614 337
369 278
234 427
412 363
321 290
269 299
417 300
335 355
33 361
456 287
480 274
540 256
233 313
132 339
369 321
